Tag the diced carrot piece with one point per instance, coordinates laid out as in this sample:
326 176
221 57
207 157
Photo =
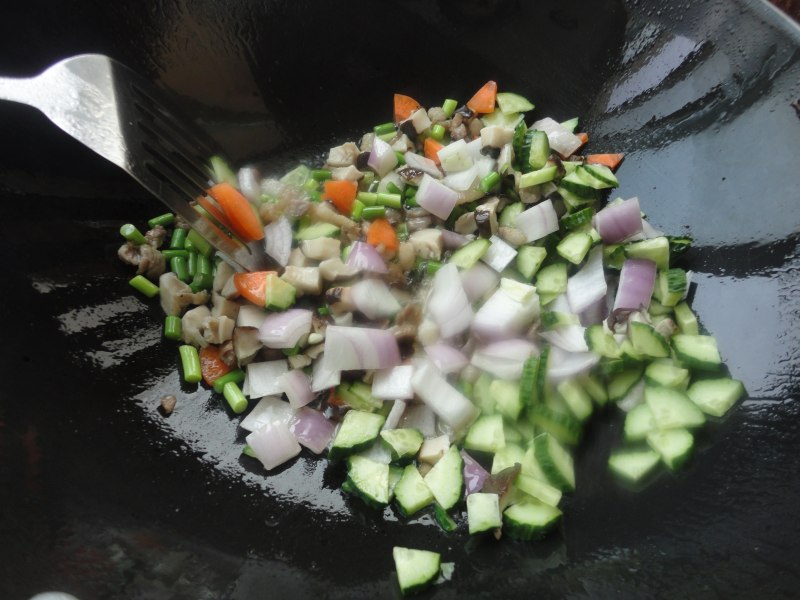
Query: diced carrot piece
382 232
211 364
212 209
404 107
252 286
584 137
431 149
240 213
484 99
342 194
611 161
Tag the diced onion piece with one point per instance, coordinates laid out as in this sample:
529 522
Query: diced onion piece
446 358
312 429
620 221
561 139
373 298
507 312
278 240
479 280
284 329
419 417
455 157
323 376
269 410
588 285
474 474
504 359
297 387
636 282
395 414
448 303
419 119
435 197
263 377
452 240
538 221
567 337
249 183
499 255
562 365
273 445
463 180
450 405
485 165
250 316
381 158
365 257
353 348
422 163
474 149
394 383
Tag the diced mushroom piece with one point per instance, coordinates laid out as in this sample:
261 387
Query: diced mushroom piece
246 344
322 211
229 290
343 156
340 300
217 330
299 361
156 236
465 224
365 145
221 277
175 295
334 269
349 173
402 144
419 118
406 256
321 248
486 217
222 307
314 352
305 279
512 236
298 259
149 261
475 127
226 353
427 243
433 449
192 326
407 322
666 327
411 175
436 114
167 404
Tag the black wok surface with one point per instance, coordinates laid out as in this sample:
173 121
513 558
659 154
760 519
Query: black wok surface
104 498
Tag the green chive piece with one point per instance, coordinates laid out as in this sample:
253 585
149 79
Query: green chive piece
291 351
402 231
432 266
490 181
199 243
390 200
201 281
144 285
163 220
188 245
190 361
315 196
449 106
178 239
373 212
191 264
130 233
437 132
384 129
236 376
393 189
358 208
324 311
170 254
320 174
204 265
172 328
235 397
401 158
367 198
386 136
180 267
366 181
410 196
248 451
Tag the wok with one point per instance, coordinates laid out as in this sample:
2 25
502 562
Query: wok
103 497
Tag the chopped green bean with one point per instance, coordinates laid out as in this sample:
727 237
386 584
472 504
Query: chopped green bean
401 158
367 181
320 174
310 185
390 200
172 328
449 107
393 189
204 265
324 311
235 397
358 208
432 266
490 181
190 361
235 376
178 239
248 451
437 132
191 264
201 281
130 233
170 254
384 129
188 245
163 220
373 212
386 136
144 285
402 231
367 198
315 196
180 267
199 243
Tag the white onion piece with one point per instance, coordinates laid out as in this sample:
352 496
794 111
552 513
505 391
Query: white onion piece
474 474
474 149
297 387
273 445
538 221
373 298
422 163
633 398
561 139
269 410
394 178
567 337
420 120
435 197
499 255
560 304
395 414
507 312
588 285
394 383
284 329
450 405
249 183
485 166
479 280
595 313
250 316
455 157
649 232
262 377
278 240
381 158
323 376
452 240
636 282
464 180
349 348
365 257
619 221
504 160
504 359
419 417
562 365
312 429
446 358
448 303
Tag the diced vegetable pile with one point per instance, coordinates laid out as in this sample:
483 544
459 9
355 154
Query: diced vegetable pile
452 302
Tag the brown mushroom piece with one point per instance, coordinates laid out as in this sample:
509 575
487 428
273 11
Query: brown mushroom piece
486 217
340 300
221 277
222 307
306 280
321 248
333 269
149 261
465 224
246 344
411 175
512 236
427 243
417 218
227 354
156 236
192 325
343 156
217 330
349 173
175 295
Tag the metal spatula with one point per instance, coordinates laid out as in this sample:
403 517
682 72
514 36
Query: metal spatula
126 119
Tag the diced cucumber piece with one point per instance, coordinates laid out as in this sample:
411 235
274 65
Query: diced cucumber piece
630 356
564 427
443 519
574 246
511 103
403 443
483 512
671 286
481 394
697 351
529 259
673 446
666 373
317 230
536 147
395 474
555 462
655 249
672 409
595 388
552 319
633 465
507 456
622 382
600 175
533 379
502 119
600 341
613 256
509 215
715 397
570 166
507 398
278 293
570 124
486 434
358 395
541 490
578 400
638 423
369 479
552 279
357 431
411 492
530 465
468 255
575 202
446 479
656 309
577 219
529 520
685 319
574 183
647 341
416 569
538 176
